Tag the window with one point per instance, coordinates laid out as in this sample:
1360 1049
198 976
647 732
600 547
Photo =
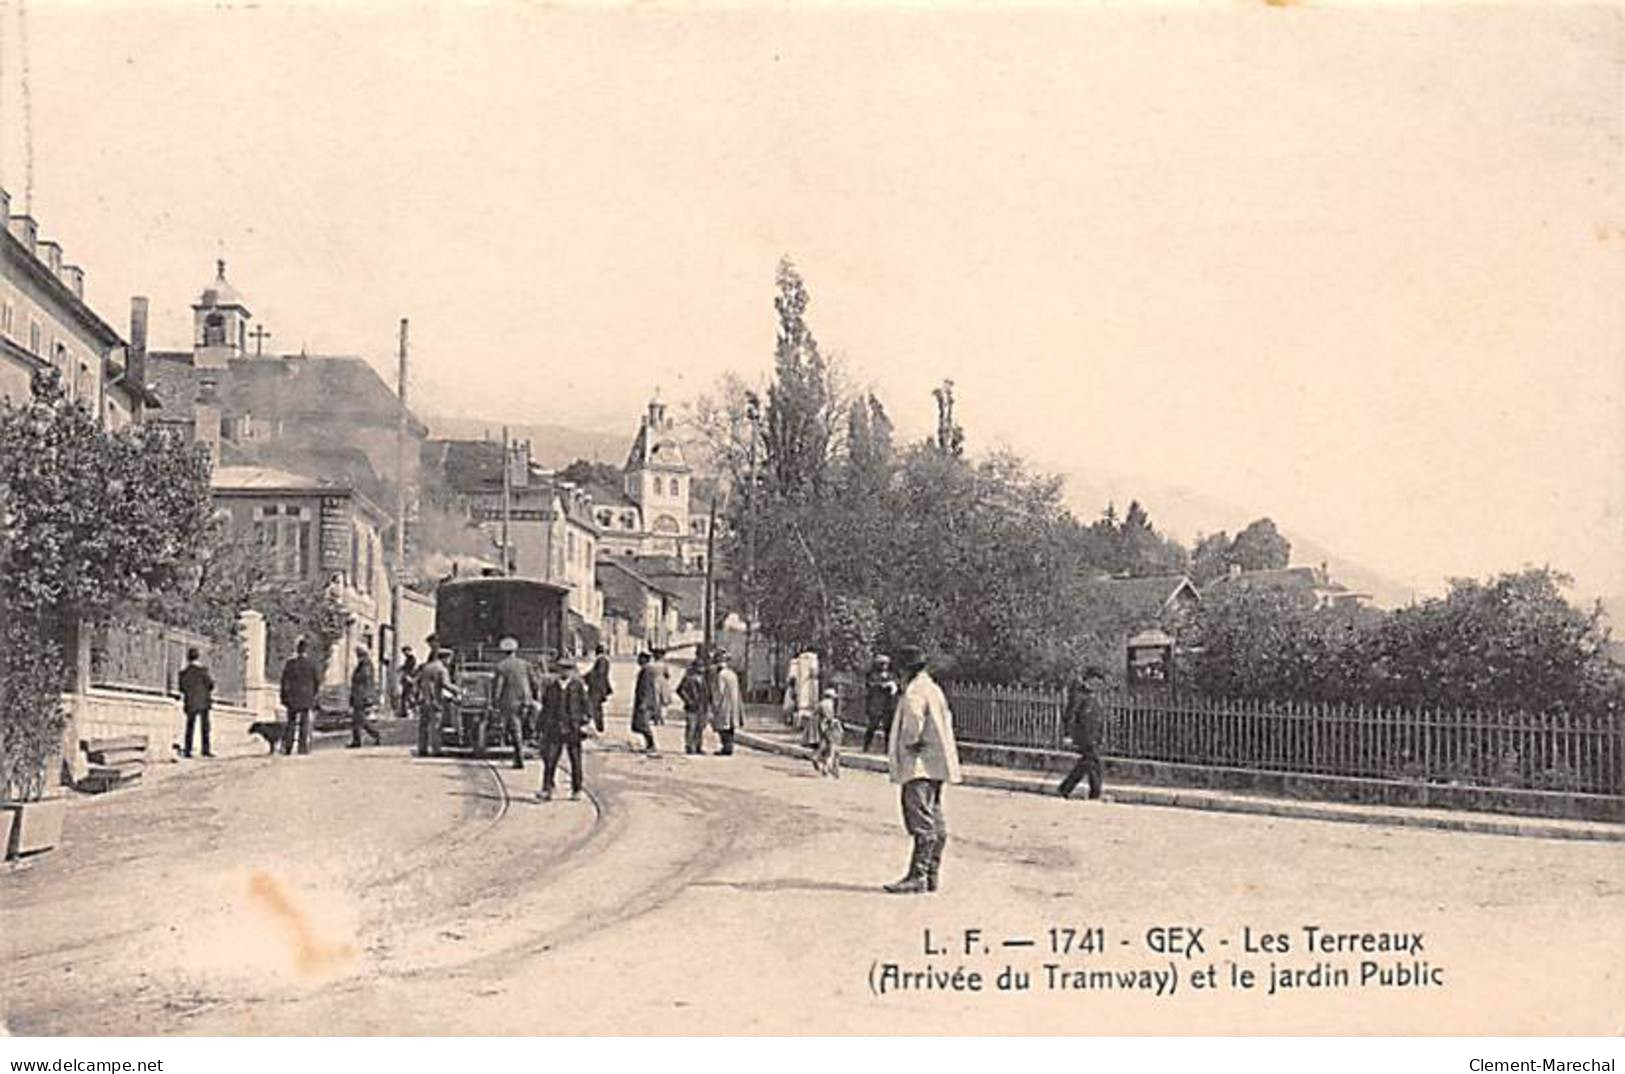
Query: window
699 563
283 531
372 564
7 316
659 488
214 330
33 336
677 487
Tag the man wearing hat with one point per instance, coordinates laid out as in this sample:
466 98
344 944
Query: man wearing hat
1083 724
511 696
598 686
695 693
564 714
879 702
923 756
363 699
727 703
646 701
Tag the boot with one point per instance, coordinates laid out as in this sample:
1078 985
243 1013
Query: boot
933 861
914 882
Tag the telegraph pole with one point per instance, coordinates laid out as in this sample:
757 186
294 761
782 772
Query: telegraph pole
710 574
400 523
753 414
507 498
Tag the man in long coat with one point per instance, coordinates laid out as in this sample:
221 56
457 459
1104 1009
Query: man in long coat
197 698
300 686
646 701
598 687
512 696
923 756
727 704
695 693
363 699
564 714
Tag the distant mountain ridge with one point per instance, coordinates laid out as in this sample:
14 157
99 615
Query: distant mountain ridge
551 446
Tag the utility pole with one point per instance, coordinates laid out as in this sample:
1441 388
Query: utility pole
400 522
710 575
507 497
753 414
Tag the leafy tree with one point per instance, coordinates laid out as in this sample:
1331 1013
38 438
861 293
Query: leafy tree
803 406
1260 547
585 472
1210 558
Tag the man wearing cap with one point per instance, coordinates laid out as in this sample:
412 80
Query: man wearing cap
923 756
879 702
727 703
1083 726
435 692
564 714
511 695
646 701
301 683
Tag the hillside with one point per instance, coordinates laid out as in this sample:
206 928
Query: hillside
551 445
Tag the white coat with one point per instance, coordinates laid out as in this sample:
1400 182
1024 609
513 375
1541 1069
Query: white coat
923 718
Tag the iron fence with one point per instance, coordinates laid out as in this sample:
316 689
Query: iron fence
142 656
1557 751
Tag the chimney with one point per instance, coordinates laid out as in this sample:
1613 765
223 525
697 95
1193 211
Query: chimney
5 204
25 231
206 415
136 372
74 277
50 253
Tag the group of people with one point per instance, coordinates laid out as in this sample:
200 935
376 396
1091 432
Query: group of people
710 695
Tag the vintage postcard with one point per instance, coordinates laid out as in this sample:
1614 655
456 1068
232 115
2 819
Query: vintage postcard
812 519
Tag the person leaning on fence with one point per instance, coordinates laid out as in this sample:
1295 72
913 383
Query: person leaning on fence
300 685
1083 725
197 698
922 756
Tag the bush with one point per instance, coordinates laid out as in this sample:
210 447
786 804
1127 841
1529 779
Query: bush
31 712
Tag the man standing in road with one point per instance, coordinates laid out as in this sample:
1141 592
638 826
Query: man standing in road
300 685
922 756
435 692
879 702
564 714
727 704
363 699
646 702
197 698
407 689
512 695
598 687
695 693
1083 726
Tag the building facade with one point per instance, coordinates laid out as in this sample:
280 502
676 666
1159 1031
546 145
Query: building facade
46 323
655 510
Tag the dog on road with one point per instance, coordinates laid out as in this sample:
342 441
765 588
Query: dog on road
271 732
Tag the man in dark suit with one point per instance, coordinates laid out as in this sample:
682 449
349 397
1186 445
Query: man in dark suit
564 714
363 699
300 685
598 687
197 698
646 701
1083 723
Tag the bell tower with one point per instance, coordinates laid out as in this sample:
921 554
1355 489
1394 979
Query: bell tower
219 323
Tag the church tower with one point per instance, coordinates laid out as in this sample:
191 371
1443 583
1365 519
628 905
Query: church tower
219 323
657 477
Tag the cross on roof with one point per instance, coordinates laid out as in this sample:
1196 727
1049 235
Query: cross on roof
259 336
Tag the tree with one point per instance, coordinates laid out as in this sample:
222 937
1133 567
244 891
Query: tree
587 473
803 401
1210 558
1260 547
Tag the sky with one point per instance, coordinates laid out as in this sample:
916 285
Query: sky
1359 269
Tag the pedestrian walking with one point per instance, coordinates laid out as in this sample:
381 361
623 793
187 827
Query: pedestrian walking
513 694
300 685
923 757
727 703
565 713
407 684
695 693
197 698
436 692
826 759
879 702
646 702
598 687
363 699
1084 725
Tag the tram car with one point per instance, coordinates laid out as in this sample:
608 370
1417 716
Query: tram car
471 617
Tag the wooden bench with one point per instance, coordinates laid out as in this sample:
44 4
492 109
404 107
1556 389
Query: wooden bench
114 762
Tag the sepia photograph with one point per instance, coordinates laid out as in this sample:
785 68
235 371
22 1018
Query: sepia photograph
811 519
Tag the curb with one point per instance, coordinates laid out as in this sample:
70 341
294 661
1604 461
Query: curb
1221 803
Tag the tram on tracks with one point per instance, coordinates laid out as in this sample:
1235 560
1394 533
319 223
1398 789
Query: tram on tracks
471 617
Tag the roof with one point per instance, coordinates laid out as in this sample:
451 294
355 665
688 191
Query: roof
219 293
656 447
266 479
614 564
1147 597
1276 578
606 495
